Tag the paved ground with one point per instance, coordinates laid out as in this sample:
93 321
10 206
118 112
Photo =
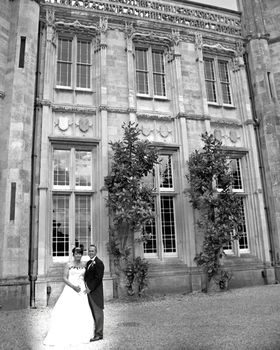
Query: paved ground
239 319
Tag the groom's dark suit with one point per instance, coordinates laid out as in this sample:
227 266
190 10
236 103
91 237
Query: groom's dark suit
94 281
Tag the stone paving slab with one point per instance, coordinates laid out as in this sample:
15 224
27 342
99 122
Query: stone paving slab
238 319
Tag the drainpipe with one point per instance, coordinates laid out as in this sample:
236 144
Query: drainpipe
260 155
33 230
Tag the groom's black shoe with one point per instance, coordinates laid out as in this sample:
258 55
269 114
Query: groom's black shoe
96 338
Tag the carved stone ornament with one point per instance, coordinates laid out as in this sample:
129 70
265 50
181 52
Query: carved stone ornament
198 40
146 131
233 136
63 123
218 134
170 55
164 131
239 48
129 29
176 38
163 12
50 17
103 24
83 124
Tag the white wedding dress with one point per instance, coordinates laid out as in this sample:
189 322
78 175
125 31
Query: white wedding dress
71 321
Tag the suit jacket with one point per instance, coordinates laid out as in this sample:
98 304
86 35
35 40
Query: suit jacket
94 280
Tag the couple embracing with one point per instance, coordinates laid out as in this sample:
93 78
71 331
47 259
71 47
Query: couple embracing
80 304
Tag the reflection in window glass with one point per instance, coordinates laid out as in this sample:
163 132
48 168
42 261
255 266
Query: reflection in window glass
61 166
60 237
236 173
168 224
165 171
151 245
82 220
83 168
242 230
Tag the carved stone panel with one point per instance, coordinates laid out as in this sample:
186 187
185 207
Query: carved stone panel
63 124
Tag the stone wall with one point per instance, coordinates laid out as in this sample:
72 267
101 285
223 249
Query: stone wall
21 19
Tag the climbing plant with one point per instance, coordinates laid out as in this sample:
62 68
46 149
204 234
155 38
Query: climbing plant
130 203
219 208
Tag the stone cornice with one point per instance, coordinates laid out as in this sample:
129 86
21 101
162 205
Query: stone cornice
191 116
188 16
226 122
116 109
66 108
153 116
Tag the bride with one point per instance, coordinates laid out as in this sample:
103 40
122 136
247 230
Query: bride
71 306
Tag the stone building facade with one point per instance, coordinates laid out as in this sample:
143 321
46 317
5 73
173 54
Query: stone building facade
72 72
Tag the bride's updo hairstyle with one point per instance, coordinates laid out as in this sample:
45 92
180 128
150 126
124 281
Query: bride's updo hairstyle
79 249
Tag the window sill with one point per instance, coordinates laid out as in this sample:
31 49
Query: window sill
145 97
84 91
228 106
65 88
217 105
149 97
161 98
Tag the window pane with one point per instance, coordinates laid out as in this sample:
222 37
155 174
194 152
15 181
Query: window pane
168 225
141 71
83 64
61 166
165 171
141 59
83 168
158 73
142 82
82 220
226 93
83 76
236 173
242 230
210 80
158 63
159 85
211 91
64 62
224 80
151 245
83 52
60 238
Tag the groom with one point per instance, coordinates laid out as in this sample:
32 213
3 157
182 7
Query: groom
94 288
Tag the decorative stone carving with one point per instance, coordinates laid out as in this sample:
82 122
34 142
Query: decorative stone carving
198 40
218 134
76 27
84 124
2 94
164 131
146 131
178 14
239 48
128 30
63 123
154 116
103 24
233 136
176 37
50 17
